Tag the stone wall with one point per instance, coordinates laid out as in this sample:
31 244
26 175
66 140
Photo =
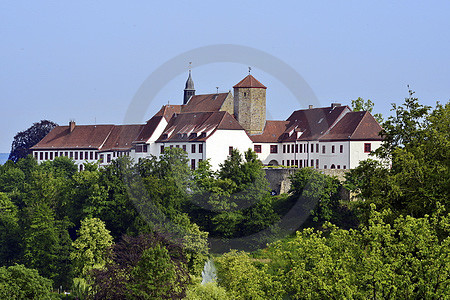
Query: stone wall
279 179
250 108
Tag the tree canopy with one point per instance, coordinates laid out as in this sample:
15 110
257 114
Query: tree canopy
26 139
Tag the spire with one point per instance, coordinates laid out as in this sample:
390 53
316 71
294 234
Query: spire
189 83
189 89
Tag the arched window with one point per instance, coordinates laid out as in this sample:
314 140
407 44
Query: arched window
273 162
333 167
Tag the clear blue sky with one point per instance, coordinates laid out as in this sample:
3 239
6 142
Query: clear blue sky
85 60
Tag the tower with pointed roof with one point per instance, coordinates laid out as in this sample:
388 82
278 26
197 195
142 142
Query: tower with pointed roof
250 104
189 89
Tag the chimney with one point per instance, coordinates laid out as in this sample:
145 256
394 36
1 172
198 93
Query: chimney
310 106
333 105
71 125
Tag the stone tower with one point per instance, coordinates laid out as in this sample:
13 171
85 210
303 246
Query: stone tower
250 104
189 89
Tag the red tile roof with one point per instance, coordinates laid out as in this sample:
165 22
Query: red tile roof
313 123
273 130
101 137
148 129
121 137
249 82
205 103
197 126
167 111
360 125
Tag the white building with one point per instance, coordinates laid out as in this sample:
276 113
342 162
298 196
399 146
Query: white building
209 126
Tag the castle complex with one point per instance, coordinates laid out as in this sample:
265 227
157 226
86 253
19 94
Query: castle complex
209 126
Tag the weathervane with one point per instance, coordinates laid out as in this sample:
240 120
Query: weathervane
249 70
190 66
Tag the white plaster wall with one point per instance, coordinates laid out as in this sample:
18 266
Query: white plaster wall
357 151
265 156
217 145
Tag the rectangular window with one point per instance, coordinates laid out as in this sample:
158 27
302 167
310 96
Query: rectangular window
91 155
51 155
282 162
66 154
296 162
56 154
35 155
367 147
301 148
325 166
292 162
230 150
108 158
41 155
96 156
101 158
292 148
273 148
312 162
306 148
323 149
284 148
184 148
301 163
193 164
193 148
171 146
312 148
341 148
257 148
161 150
306 163
144 148
61 154
288 163
71 154
287 148
317 148
296 148
76 155
332 148
317 163
338 166
81 155
46 155
200 148
344 167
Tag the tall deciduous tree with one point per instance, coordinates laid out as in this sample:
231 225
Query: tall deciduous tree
24 140
90 248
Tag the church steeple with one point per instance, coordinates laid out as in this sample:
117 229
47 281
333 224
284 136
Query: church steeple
189 89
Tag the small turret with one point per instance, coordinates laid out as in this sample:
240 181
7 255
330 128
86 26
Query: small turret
189 89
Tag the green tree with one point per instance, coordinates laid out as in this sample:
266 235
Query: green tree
18 282
318 192
366 105
245 278
90 248
416 146
10 242
408 258
149 266
47 244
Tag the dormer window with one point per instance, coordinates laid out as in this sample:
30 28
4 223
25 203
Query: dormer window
193 135
203 134
164 136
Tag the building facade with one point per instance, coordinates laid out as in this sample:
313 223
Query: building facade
208 127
